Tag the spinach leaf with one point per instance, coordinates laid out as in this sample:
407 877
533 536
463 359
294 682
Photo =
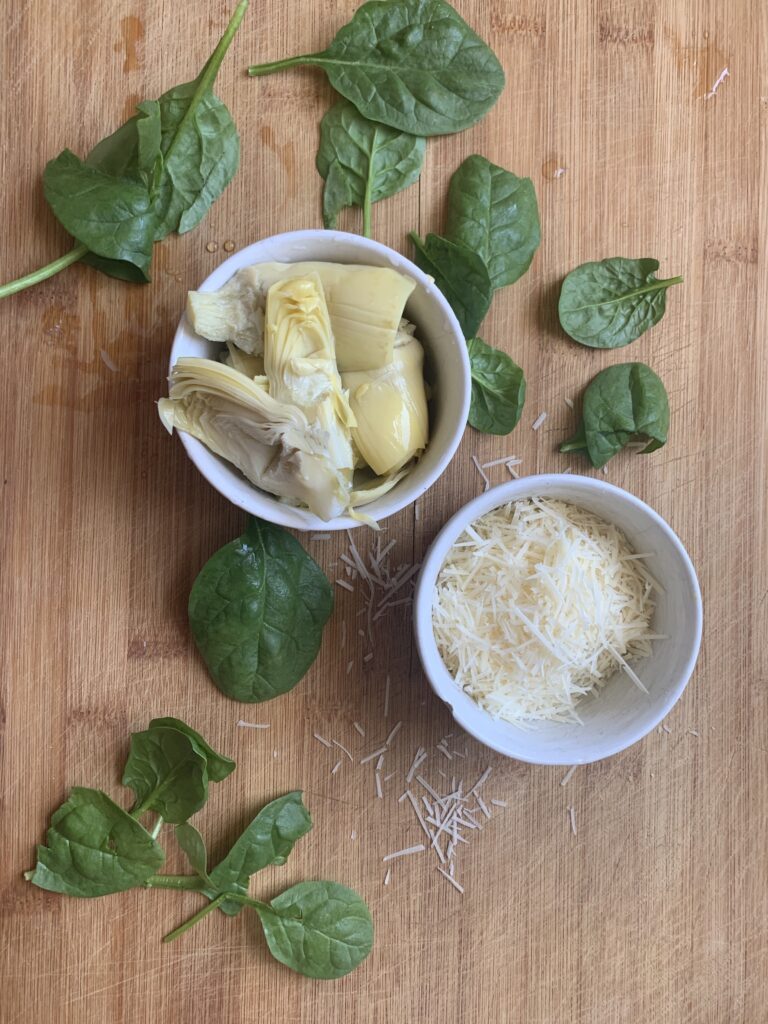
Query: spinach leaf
363 162
159 172
94 848
113 217
268 839
412 64
460 274
257 612
623 403
193 845
494 213
219 766
167 773
498 389
611 303
320 929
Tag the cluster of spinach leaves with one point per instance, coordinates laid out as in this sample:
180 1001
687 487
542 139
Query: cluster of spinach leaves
608 304
257 611
492 234
95 848
407 69
160 172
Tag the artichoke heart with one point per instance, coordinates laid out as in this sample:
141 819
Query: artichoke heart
300 364
390 407
233 313
365 305
272 443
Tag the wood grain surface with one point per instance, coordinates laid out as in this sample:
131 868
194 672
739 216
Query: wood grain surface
656 909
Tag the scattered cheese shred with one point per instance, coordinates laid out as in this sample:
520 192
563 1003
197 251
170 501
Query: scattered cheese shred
538 422
568 775
253 725
321 739
418 848
538 604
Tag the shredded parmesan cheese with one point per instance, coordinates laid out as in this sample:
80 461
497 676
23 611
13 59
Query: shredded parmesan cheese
538 604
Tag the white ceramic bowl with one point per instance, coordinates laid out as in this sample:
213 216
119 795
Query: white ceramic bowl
446 368
622 714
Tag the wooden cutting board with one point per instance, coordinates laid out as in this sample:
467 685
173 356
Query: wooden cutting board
656 909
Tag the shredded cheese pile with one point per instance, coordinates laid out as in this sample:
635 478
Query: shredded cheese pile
539 603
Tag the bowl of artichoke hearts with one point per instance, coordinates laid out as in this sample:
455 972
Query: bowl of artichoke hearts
318 380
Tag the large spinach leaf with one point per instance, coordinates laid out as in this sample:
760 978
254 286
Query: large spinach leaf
494 213
159 172
460 274
623 403
611 303
268 839
363 162
94 848
498 389
167 774
219 766
412 64
257 612
320 929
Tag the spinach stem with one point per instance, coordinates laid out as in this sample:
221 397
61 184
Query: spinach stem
369 187
257 70
190 882
44 272
194 919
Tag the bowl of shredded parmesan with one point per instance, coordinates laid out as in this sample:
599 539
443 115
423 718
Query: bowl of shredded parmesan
559 617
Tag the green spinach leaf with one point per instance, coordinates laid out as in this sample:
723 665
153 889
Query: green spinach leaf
494 213
611 303
94 848
498 389
320 929
193 845
363 162
268 839
623 403
113 217
412 64
159 172
167 774
219 766
257 612
460 274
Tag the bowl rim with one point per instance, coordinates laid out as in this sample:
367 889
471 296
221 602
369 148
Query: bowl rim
265 505
441 681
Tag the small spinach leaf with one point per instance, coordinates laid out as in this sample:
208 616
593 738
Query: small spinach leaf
494 213
611 303
193 845
623 403
94 848
219 766
167 773
498 389
460 274
268 839
257 612
320 929
363 162
412 64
